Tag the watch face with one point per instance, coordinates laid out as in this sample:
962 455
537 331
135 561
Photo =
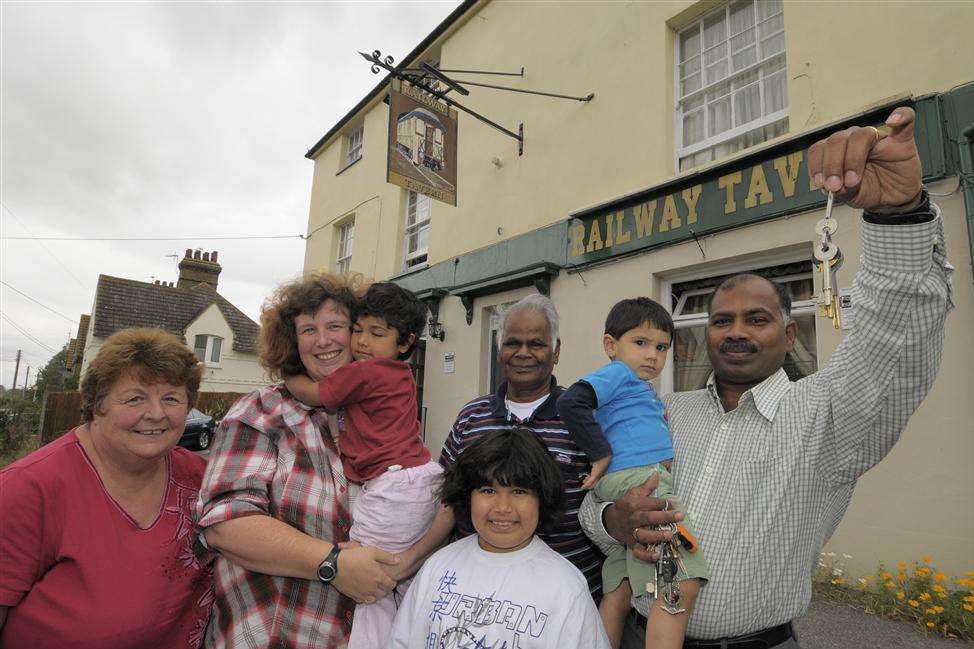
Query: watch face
326 572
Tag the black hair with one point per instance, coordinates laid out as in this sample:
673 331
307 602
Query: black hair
631 313
514 457
784 300
401 310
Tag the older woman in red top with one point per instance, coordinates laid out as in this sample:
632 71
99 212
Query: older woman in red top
97 539
275 498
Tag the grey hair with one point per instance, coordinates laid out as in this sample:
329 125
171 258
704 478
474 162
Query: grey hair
534 302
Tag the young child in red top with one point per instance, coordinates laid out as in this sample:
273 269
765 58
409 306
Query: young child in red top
380 439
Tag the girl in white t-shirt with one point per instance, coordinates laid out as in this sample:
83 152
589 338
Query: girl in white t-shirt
502 587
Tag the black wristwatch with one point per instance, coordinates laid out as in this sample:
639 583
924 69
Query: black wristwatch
328 569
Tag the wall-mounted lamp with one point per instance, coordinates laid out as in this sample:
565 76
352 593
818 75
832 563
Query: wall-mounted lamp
435 330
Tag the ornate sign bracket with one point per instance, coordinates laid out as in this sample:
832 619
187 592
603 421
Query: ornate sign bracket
426 77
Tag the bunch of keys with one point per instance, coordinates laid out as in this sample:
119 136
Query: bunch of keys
666 585
829 260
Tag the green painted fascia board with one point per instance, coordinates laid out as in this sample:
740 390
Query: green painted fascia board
929 134
501 264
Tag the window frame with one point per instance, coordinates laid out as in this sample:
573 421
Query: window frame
344 244
409 259
208 349
798 308
681 151
352 151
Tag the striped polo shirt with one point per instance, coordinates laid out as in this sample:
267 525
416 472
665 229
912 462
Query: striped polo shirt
488 413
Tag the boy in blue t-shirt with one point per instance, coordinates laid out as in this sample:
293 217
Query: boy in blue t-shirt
615 416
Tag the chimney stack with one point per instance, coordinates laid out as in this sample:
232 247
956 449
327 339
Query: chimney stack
198 267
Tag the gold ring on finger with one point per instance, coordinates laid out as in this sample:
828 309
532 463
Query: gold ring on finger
876 133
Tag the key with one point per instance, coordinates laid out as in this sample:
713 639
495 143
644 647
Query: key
830 258
667 570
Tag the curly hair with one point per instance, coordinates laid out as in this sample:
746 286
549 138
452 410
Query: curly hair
278 343
401 310
149 355
514 457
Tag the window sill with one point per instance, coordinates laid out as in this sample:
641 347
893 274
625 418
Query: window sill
349 165
412 269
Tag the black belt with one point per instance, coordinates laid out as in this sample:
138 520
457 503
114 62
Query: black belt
765 639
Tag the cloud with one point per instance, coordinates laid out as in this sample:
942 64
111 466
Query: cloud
170 119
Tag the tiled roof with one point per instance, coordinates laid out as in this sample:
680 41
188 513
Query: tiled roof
122 303
79 351
69 356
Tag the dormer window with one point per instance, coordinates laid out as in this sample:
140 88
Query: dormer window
208 349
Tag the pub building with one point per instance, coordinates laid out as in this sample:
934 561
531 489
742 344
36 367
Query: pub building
674 155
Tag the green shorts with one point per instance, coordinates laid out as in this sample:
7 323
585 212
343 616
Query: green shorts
620 563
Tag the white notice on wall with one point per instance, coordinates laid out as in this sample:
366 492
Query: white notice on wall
846 312
449 366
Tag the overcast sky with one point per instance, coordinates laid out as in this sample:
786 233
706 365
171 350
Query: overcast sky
171 119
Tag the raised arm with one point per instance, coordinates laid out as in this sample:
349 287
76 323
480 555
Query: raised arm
901 296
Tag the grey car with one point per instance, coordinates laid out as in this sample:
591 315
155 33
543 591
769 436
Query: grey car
199 430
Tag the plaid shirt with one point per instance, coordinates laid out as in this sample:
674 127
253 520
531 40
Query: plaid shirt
489 412
768 482
270 458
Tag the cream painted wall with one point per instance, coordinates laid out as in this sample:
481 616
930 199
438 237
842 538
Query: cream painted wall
236 371
910 505
578 154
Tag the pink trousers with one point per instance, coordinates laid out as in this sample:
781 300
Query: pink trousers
393 511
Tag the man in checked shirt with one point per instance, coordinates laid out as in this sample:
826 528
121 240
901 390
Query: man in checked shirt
768 466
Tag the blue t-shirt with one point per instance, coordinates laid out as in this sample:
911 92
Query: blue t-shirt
631 416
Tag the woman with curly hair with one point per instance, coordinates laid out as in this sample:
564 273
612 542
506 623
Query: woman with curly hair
275 501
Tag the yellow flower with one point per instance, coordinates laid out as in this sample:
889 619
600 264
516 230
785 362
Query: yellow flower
913 603
939 577
924 596
931 625
867 578
900 595
937 588
969 599
927 558
938 609
889 585
930 611
901 565
838 581
901 577
968 607
923 572
969 573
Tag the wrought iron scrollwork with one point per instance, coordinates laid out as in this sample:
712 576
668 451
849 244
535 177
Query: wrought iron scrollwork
377 56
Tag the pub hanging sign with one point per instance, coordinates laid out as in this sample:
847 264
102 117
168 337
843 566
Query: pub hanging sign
422 153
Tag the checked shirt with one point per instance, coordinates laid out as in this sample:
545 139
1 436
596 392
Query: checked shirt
767 483
274 456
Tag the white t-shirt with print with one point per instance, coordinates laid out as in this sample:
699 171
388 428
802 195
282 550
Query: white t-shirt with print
465 597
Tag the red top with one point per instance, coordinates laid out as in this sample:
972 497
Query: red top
380 425
78 572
